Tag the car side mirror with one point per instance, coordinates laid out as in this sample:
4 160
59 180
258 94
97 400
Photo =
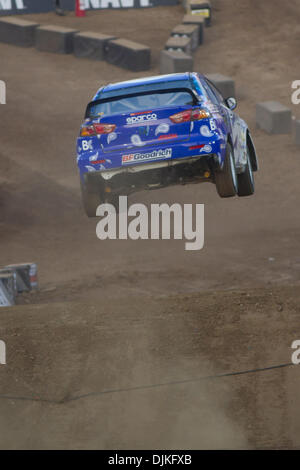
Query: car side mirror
231 103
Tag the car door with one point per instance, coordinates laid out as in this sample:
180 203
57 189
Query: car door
225 112
231 119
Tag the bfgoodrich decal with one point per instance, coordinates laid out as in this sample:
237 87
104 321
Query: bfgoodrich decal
141 157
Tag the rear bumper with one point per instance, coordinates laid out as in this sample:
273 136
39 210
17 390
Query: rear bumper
140 159
152 176
107 175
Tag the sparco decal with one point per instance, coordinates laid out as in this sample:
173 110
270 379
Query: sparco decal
141 118
138 157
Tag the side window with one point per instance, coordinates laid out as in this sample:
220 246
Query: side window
217 92
197 86
211 95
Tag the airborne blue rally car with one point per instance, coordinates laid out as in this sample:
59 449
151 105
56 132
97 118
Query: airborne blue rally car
158 131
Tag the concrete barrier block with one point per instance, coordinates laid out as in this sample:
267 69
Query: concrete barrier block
175 62
196 20
225 85
297 132
273 117
179 43
18 32
91 45
201 8
55 39
190 31
128 54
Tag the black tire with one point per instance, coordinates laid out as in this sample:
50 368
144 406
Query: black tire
226 179
91 196
246 179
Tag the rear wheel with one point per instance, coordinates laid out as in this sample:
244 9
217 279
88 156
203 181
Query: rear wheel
91 196
246 179
226 179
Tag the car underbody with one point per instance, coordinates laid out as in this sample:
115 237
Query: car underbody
154 175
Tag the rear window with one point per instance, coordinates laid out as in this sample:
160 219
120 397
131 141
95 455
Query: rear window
140 102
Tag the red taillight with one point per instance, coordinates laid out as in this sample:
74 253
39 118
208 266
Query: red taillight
184 116
94 129
190 115
87 131
199 113
104 128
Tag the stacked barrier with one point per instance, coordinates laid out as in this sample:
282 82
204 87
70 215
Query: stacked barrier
186 37
96 46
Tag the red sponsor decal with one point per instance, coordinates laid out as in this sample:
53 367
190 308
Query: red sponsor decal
127 158
141 112
168 136
98 161
195 147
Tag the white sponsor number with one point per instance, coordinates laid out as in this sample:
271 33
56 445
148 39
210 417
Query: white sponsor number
141 118
138 157
87 145
212 124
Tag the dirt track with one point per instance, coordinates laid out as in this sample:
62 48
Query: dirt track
62 358
76 339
